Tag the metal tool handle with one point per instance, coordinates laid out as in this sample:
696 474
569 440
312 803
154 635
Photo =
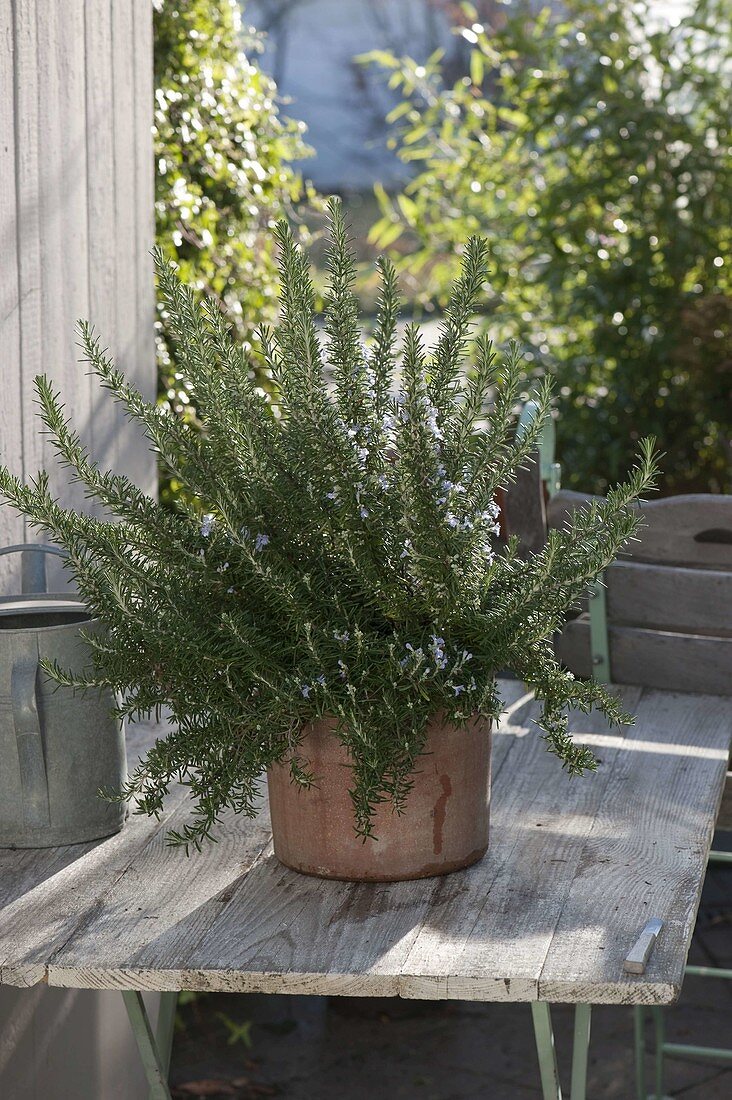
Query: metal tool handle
31 759
640 952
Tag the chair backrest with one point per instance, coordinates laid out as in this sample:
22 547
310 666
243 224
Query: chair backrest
523 504
668 601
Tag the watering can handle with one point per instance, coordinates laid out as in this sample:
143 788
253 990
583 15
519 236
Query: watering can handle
31 760
34 564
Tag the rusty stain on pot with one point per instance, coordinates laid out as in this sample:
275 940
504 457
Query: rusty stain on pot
440 813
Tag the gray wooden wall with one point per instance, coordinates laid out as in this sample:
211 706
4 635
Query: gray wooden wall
76 225
76 229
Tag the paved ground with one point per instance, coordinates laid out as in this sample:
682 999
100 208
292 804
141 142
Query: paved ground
339 1049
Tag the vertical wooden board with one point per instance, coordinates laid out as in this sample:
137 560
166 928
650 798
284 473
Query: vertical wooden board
71 56
108 420
123 77
24 104
11 441
133 453
143 468
62 206
63 240
145 199
68 1044
72 224
563 504
30 160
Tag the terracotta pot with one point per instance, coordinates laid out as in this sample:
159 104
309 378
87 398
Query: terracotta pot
444 826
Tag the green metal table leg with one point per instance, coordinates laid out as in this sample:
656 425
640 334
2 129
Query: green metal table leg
580 1051
659 1027
550 1087
165 1027
639 1032
155 1071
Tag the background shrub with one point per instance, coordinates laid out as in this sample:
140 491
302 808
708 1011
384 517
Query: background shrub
592 146
224 171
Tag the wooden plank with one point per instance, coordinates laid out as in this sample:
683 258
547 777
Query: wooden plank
25 104
287 933
72 134
488 938
645 855
689 530
695 601
161 906
63 259
11 442
144 369
63 212
156 936
659 659
133 226
105 252
572 866
29 161
284 932
56 891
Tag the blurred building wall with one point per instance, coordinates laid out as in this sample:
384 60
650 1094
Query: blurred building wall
310 50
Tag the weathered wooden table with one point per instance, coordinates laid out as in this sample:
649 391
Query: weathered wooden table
574 870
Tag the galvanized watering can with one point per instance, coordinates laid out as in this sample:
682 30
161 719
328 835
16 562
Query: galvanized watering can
57 747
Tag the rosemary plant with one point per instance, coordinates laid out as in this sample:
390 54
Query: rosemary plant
335 553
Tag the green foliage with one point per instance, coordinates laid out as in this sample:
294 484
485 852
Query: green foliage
238 1031
345 564
224 171
592 144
